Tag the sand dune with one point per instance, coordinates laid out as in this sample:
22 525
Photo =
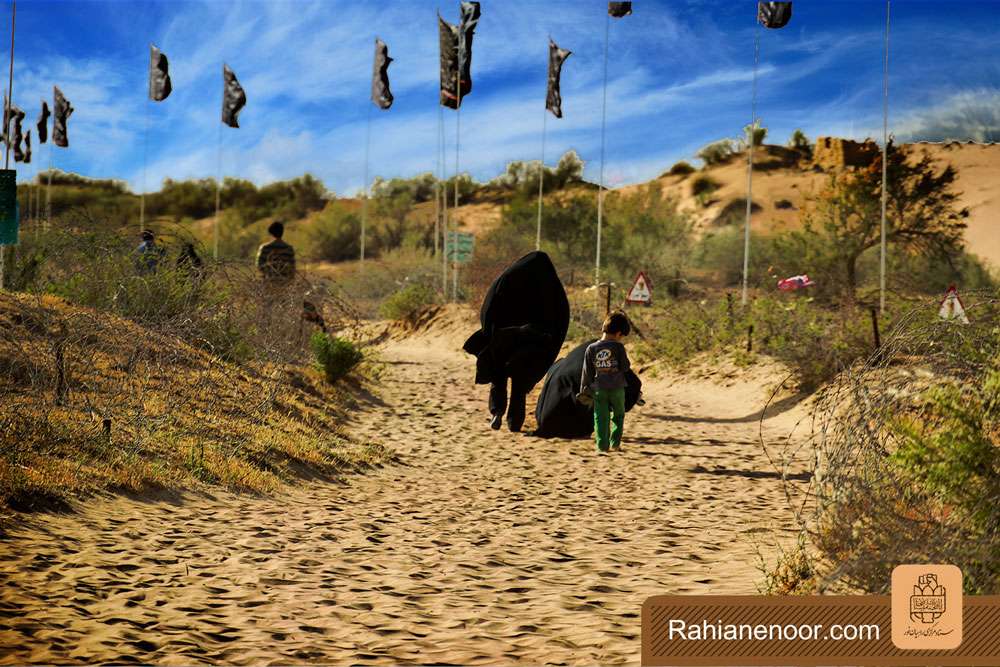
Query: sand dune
478 547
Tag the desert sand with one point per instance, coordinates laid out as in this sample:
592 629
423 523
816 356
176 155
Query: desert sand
475 547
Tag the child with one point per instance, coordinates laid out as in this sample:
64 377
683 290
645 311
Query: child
604 366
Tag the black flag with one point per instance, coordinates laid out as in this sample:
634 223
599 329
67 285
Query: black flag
159 75
27 147
61 113
774 14
6 119
470 19
619 9
553 98
43 123
233 97
16 137
381 94
448 38
456 54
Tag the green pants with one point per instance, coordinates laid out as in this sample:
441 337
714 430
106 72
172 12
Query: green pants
608 401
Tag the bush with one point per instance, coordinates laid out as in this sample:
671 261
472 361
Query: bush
335 236
334 356
717 152
759 134
681 169
815 342
735 212
704 185
403 304
800 142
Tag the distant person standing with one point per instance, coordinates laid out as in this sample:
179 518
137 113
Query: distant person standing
148 254
276 260
605 364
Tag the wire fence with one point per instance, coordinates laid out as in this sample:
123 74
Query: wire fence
865 508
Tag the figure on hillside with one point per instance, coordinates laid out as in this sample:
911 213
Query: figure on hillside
276 260
604 379
524 319
189 262
148 254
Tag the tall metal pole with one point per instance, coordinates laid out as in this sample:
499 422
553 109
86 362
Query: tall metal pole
10 81
145 149
444 207
458 135
750 142
541 179
10 87
600 184
218 191
364 201
885 154
437 186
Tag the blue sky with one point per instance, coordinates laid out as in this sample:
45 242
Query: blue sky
679 76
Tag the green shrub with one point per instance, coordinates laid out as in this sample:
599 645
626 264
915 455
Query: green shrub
815 342
681 168
407 301
717 152
704 185
735 213
334 356
335 236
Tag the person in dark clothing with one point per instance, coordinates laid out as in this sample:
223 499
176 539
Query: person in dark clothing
148 254
605 369
524 319
276 260
558 413
189 261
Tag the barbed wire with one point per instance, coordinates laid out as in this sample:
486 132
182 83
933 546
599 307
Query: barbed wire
861 510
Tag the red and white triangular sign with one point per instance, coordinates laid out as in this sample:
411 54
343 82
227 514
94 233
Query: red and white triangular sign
642 290
952 308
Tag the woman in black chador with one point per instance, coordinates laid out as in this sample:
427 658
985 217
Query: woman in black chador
524 319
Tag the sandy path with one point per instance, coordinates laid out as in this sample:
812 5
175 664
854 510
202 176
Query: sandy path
478 547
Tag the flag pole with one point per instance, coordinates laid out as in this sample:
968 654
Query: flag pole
442 150
218 179
364 195
218 192
600 184
145 150
541 167
885 154
10 87
750 131
458 136
48 192
437 187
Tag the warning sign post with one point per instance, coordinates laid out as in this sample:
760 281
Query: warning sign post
952 308
642 290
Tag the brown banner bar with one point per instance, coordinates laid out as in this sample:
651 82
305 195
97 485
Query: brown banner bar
807 630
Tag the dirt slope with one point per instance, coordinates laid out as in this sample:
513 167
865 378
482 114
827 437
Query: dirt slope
478 547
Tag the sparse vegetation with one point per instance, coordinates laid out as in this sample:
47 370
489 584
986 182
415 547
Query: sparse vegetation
334 356
681 168
717 152
703 186
403 304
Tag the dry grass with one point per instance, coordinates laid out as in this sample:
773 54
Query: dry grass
94 402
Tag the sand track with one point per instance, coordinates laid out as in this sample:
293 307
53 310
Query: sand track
478 547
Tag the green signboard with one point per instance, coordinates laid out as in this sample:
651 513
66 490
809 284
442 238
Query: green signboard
460 246
8 207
